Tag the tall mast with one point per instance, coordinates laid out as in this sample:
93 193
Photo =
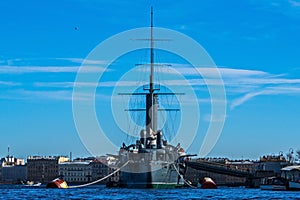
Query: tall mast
151 52
151 97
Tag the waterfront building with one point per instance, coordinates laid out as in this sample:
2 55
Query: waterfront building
13 173
44 168
272 163
112 166
87 159
11 160
12 170
76 172
242 165
104 165
99 168
84 170
291 173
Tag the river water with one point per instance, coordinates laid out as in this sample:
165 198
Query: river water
100 192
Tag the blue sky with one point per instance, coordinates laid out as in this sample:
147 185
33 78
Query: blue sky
255 44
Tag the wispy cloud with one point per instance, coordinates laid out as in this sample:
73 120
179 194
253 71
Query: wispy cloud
85 61
210 118
263 86
243 99
241 85
52 95
36 69
45 65
86 84
288 90
54 84
75 61
9 83
189 70
47 69
294 3
289 8
22 94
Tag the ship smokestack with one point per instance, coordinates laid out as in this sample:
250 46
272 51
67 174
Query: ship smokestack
158 139
143 137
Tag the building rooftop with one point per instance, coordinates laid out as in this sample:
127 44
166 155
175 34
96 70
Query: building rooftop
75 163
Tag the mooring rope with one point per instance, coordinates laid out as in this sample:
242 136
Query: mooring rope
101 179
183 178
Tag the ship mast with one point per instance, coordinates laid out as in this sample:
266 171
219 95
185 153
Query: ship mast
151 97
151 138
151 52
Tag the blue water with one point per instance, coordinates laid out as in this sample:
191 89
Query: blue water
100 192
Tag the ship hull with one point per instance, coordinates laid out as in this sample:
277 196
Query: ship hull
153 175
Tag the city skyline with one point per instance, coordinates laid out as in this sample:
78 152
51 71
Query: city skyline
255 45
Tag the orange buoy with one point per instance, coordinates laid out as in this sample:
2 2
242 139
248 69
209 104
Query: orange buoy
57 183
207 183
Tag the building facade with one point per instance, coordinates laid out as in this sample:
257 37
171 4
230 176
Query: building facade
87 170
76 172
99 170
13 173
272 163
44 168
13 170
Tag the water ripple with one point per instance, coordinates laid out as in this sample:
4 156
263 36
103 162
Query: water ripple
100 192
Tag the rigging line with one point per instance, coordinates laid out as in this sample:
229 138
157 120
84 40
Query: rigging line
171 115
127 117
163 126
166 100
173 125
144 68
140 75
141 69
183 178
134 131
135 117
156 69
159 68
145 75
168 134
133 103
139 119
174 117
101 179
